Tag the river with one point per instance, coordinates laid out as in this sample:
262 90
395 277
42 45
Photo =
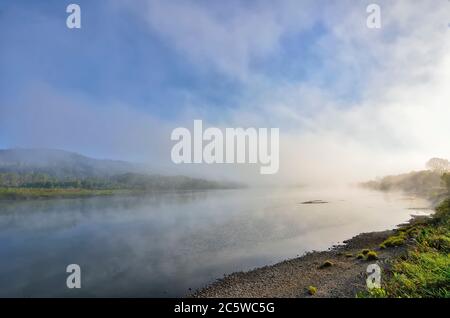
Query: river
163 245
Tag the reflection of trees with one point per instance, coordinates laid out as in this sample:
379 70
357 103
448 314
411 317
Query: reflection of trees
59 214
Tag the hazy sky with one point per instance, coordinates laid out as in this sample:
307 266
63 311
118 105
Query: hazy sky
351 103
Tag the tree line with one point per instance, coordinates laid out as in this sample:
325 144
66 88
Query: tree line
42 180
446 180
131 181
441 166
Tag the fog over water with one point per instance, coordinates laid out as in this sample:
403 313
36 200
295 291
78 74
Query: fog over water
351 104
162 245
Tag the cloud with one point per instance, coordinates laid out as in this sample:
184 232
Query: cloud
227 37
400 117
373 101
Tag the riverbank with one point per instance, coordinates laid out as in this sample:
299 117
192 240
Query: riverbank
25 194
58 193
414 260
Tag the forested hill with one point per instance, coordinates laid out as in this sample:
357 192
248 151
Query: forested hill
58 169
60 163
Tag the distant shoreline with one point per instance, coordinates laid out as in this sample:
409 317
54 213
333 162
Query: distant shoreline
27 194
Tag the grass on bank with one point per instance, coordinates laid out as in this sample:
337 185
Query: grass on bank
40 193
425 271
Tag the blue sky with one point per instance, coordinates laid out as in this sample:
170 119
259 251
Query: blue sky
113 57
116 56
137 69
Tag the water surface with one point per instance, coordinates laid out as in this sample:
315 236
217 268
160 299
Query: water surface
162 245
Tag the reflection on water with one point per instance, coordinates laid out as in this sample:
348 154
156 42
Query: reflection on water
162 245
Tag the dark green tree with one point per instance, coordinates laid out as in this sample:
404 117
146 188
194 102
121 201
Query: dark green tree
446 180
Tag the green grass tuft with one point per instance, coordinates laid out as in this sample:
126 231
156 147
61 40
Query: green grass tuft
372 256
421 275
373 293
395 240
312 290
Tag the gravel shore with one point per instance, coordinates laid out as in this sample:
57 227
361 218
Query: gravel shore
291 278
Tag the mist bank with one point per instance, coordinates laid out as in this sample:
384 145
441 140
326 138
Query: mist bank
433 185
